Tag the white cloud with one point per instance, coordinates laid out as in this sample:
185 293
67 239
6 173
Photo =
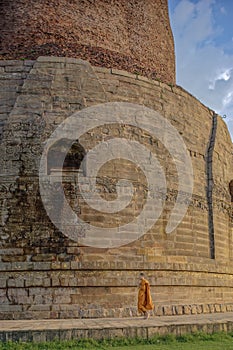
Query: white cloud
193 22
224 75
228 99
203 68
183 13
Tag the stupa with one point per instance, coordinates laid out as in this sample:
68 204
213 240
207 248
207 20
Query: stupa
60 59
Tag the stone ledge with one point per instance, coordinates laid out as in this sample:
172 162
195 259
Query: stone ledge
205 266
56 59
48 330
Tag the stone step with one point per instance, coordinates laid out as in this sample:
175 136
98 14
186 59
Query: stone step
67 329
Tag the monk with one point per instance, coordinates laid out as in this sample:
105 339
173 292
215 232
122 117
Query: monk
144 297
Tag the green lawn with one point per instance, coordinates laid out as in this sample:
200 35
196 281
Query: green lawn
217 341
205 345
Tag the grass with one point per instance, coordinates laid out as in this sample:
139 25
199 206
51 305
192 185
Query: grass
216 341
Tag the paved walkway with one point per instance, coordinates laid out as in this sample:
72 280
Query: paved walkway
44 330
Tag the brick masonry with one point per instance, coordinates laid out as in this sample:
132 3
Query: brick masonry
130 35
43 274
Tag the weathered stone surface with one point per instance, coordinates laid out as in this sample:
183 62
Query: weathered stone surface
46 330
45 274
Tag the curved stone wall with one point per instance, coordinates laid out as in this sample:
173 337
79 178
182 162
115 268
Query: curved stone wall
43 274
130 35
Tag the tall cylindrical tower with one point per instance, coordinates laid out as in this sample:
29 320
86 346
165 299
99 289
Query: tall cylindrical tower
133 35
57 59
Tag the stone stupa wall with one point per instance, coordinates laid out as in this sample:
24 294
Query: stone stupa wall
43 273
46 275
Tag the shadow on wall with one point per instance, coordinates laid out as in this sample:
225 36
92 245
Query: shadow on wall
72 160
231 190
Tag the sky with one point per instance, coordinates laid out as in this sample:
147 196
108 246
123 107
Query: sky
203 34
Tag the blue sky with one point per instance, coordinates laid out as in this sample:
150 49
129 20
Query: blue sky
203 34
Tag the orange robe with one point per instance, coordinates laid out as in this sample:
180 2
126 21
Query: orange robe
144 297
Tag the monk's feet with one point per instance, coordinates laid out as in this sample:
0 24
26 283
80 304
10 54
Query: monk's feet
146 315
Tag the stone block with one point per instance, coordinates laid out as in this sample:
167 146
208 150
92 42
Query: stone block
39 307
123 73
38 265
206 309
223 308
62 299
179 309
17 68
17 266
3 281
212 308
187 309
5 266
29 62
194 309
199 309
10 308
167 310
38 337
217 308
43 257
13 258
16 281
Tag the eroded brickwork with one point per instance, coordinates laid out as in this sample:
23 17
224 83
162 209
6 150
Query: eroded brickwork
43 274
130 35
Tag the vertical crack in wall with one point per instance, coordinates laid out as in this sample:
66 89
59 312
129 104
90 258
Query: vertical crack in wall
210 183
